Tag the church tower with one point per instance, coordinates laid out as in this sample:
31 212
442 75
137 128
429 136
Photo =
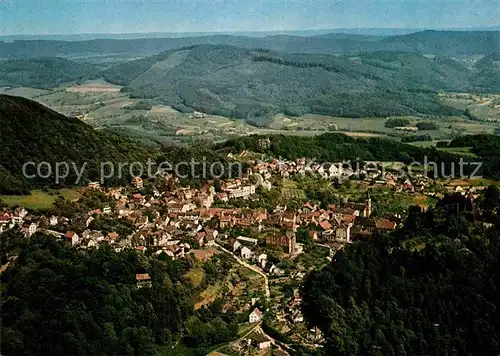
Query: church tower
368 206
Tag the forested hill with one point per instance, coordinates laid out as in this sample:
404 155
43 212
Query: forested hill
60 300
30 132
44 72
254 84
430 288
335 147
430 42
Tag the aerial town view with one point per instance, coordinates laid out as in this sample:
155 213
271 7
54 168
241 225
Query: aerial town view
249 178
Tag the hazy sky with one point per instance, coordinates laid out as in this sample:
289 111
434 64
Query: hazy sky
127 16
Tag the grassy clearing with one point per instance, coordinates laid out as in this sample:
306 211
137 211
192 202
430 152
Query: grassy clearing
246 272
291 191
196 275
212 292
423 144
39 200
245 328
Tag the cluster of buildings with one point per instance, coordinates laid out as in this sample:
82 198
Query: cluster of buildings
28 223
372 173
174 222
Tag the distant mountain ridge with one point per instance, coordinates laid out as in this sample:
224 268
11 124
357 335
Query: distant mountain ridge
429 42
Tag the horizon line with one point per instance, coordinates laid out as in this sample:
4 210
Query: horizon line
229 32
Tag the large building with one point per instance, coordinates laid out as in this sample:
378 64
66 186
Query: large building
286 241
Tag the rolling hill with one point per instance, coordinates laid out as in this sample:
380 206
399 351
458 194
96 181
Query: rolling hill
30 132
255 84
430 42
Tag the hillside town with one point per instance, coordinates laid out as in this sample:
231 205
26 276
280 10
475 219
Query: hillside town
221 217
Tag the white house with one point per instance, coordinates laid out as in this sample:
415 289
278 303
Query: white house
241 192
32 229
246 253
73 237
236 245
21 212
255 316
89 220
262 259
94 185
92 244
260 341
53 220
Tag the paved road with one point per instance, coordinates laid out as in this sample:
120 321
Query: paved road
249 266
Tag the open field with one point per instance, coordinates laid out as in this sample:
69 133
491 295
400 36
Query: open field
291 190
38 199
211 293
94 86
483 107
24 92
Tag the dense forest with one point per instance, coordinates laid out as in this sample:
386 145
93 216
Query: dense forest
31 132
57 300
430 288
45 73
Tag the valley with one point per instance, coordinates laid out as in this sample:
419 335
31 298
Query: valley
104 106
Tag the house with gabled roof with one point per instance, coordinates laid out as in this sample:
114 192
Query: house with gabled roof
259 340
255 316
246 253
384 224
200 238
286 241
72 237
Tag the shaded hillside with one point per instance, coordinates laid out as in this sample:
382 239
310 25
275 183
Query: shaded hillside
488 69
255 84
44 72
432 42
31 132
429 288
